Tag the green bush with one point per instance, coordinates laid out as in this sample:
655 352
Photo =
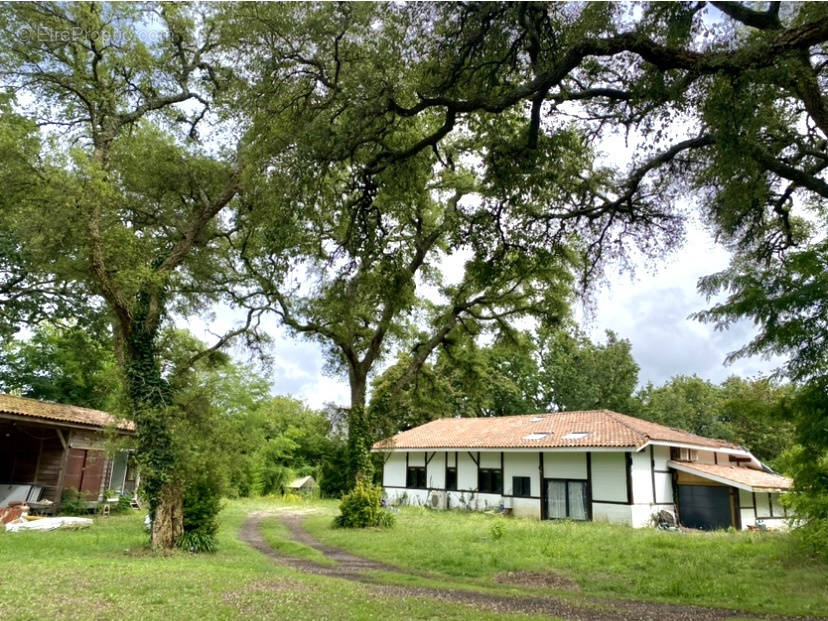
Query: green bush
361 508
121 506
72 502
196 541
813 536
202 502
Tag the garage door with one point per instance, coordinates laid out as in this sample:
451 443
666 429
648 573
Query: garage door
704 507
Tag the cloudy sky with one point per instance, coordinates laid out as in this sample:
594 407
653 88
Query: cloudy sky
652 308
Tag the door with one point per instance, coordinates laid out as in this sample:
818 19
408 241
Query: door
84 472
705 507
566 499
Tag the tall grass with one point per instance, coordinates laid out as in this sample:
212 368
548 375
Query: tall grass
760 572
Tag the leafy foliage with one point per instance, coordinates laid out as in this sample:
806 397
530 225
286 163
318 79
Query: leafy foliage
807 461
202 503
577 374
67 365
362 508
72 502
748 412
554 368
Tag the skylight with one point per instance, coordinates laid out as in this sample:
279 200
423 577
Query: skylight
535 436
575 435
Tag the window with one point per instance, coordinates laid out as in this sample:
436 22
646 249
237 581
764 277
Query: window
683 454
490 481
451 479
416 477
521 486
566 499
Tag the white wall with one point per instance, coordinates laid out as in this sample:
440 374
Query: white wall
565 465
526 507
490 460
393 473
521 465
617 514
641 515
609 477
663 480
436 470
775 521
642 478
466 472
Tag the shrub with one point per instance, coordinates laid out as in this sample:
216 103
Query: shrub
202 502
813 536
361 508
121 506
497 529
72 502
197 541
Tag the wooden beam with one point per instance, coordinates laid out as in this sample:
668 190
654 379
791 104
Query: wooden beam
589 484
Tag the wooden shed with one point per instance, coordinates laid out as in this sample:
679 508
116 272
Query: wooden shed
51 446
304 485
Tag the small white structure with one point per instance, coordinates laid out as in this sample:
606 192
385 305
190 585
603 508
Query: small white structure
303 484
593 465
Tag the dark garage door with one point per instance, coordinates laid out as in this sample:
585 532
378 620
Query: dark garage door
704 507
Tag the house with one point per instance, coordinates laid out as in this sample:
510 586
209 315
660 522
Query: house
48 447
593 465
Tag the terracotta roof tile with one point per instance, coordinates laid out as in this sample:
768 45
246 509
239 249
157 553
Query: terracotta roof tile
602 428
755 479
33 408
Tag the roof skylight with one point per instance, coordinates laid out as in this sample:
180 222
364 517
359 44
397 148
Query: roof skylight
575 435
535 436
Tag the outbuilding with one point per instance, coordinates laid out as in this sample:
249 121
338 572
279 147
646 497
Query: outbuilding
589 465
48 447
303 485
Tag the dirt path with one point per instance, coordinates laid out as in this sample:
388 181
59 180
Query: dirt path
351 567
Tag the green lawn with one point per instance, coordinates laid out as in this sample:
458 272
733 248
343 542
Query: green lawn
105 572
758 572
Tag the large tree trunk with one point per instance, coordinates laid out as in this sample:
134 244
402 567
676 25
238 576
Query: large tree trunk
150 398
359 456
168 524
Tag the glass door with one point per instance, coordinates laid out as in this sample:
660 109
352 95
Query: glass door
566 499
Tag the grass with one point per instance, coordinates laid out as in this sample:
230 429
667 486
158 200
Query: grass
106 572
279 538
754 572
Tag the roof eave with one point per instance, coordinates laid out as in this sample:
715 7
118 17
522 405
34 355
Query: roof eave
723 480
45 420
498 449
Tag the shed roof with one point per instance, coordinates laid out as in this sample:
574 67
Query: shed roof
744 478
591 428
61 413
306 481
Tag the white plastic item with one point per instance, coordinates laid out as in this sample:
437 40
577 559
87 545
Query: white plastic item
46 524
